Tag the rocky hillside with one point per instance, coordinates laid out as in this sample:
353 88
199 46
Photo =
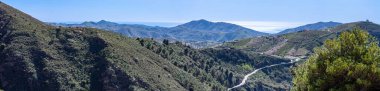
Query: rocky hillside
39 57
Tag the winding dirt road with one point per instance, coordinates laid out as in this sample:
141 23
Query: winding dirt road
255 71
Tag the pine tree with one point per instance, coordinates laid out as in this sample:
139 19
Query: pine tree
347 63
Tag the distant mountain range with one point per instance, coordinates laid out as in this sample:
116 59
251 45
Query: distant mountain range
314 26
192 32
195 31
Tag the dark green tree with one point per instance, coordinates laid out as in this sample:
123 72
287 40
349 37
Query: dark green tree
166 42
347 63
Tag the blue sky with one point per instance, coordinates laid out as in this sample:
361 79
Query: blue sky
262 15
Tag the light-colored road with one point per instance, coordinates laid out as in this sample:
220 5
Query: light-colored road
255 71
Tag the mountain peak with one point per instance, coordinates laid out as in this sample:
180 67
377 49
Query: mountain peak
106 22
201 21
101 22
218 27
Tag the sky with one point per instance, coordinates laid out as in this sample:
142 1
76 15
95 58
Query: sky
269 16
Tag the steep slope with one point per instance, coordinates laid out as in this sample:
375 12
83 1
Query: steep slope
314 26
38 57
197 33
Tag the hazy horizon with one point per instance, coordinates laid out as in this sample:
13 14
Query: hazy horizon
265 16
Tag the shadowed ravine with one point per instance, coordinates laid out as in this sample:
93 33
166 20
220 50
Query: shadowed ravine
243 82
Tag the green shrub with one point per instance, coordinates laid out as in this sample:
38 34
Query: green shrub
246 66
347 63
